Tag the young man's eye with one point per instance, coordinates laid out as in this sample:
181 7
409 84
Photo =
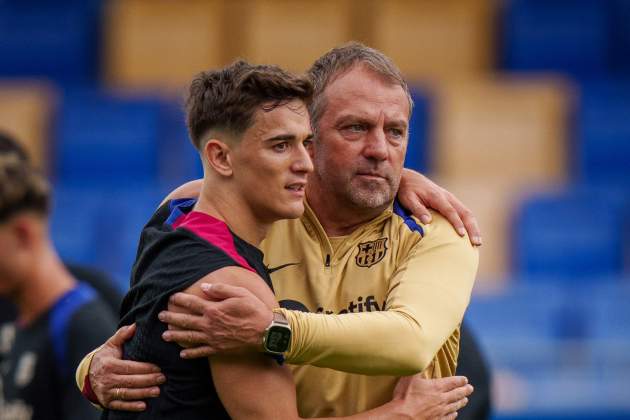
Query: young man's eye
307 143
280 147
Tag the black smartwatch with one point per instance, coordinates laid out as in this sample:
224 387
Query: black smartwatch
277 336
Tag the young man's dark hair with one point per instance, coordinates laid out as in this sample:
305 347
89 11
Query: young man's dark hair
8 145
225 100
21 186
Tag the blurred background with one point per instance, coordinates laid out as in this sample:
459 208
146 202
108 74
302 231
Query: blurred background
522 110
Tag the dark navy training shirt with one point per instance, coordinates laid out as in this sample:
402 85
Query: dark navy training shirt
177 248
38 360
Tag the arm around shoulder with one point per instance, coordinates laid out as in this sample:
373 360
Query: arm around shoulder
253 385
190 189
427 297
432 287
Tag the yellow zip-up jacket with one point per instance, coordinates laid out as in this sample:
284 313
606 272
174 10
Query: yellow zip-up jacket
397 291
385 301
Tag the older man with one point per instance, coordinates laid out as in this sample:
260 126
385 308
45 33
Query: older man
370 293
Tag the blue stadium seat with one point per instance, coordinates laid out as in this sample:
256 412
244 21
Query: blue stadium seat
101 227
574 234
608 310
179 161
523 311
602 134
57 40
620 37
129 209
570 36
73 222
418 153
107 140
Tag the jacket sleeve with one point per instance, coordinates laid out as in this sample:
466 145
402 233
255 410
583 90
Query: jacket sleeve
427 297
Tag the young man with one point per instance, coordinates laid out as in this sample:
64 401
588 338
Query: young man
401 288
57 318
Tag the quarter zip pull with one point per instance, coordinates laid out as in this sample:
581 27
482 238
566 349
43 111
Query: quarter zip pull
327 260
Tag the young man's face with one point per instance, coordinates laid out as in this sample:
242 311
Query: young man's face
10 261
271 162
362 139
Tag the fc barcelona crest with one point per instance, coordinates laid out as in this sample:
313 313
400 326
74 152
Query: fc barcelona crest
371 252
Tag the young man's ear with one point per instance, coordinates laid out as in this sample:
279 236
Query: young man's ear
24 233
218 156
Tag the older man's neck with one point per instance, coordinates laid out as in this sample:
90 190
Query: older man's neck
337 217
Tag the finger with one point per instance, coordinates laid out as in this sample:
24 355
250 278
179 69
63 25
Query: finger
412 202
419 210
188 337
470 221
194 304
446 209
456 406
458 393
123 334
183 321
451 416
451 382
127 405
135 394
130 367
222 291
137 381
197 352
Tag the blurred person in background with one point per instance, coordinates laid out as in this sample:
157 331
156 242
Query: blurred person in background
58 319
396 318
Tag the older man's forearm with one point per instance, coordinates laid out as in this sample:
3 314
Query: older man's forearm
426 301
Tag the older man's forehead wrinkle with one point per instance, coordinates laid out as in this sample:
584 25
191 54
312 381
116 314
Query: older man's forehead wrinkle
371 118
368 107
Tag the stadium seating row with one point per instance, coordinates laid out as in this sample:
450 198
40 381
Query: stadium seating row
554 347
582 38
140 42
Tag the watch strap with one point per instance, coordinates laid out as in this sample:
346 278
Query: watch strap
279 317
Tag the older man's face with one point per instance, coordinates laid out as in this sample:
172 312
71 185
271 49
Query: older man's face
362 139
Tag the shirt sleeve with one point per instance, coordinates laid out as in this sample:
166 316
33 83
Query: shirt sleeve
427 297
89 327
80 377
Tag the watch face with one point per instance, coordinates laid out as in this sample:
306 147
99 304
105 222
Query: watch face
278 339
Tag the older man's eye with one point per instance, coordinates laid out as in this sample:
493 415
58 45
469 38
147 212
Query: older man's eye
353 130
356 127
396 133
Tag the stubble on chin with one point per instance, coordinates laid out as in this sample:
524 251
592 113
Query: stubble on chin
371 195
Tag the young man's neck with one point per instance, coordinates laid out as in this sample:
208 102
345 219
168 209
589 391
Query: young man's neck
336 218
47 283
229 207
